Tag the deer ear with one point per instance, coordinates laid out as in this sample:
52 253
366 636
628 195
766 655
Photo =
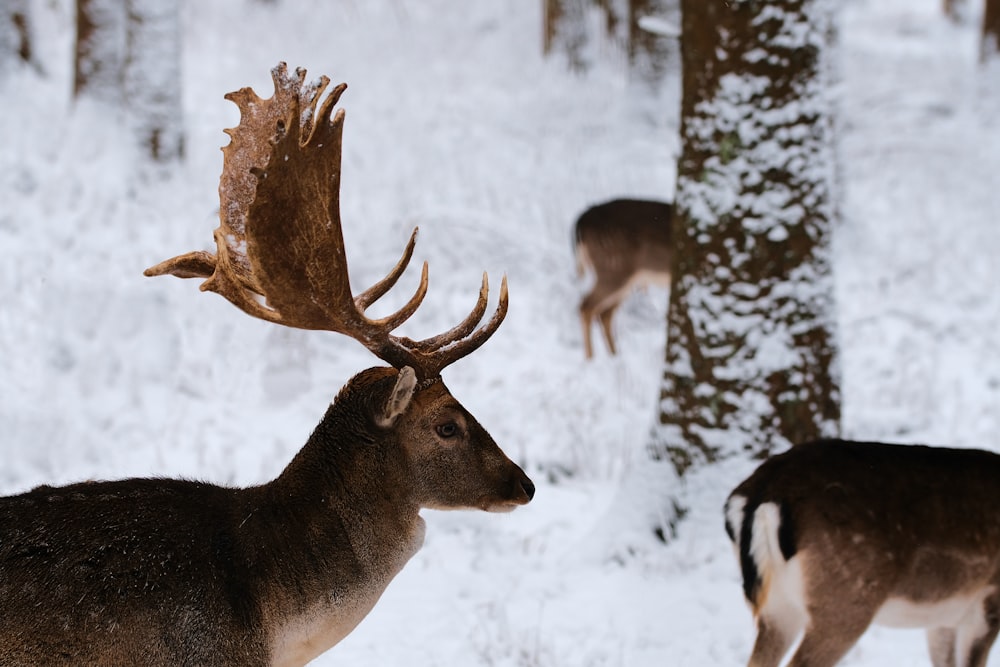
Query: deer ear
399 399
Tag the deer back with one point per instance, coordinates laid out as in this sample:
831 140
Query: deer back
623 238
835 535
141 571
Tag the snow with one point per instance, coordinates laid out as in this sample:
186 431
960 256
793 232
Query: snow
455 123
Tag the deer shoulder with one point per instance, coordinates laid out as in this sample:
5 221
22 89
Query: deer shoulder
833 536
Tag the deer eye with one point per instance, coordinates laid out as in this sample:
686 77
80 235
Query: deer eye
447 430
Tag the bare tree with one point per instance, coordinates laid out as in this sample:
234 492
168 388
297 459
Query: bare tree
751 356
128 56
16 35
634 26
100 50
152 77
956 10
651 48
989 49
565 31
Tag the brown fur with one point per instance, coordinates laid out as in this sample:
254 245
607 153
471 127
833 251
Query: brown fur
172 572
869 532
627 244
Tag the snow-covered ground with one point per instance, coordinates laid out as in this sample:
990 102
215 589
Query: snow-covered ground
456 124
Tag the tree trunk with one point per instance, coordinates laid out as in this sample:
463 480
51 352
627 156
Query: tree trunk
128 57
751 355
152 78
651 51
956 10
989 49
565 31
15 35
100 50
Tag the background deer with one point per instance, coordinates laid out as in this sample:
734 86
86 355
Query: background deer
627 243
171 572
833 536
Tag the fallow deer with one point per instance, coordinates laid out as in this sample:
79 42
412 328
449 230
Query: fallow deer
170 572
627 244
833 536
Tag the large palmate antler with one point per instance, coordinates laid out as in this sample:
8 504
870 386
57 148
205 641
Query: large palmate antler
280 237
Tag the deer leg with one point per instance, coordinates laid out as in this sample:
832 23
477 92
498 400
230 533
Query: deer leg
828 639
605 319
586 315
774 637
594 305
941 645
977 632
602 302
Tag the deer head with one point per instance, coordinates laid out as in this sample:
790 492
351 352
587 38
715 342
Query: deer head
280 247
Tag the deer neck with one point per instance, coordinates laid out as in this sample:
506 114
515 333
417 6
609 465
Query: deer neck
350 480
346 504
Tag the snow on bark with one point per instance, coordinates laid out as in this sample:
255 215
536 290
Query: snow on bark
751 363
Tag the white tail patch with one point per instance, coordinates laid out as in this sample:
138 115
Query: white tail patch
782 589
764 547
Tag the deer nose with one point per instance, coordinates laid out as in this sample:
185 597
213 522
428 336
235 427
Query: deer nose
527 486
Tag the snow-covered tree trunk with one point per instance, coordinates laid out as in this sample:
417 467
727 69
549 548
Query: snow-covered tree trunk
751 360
152 77
100 50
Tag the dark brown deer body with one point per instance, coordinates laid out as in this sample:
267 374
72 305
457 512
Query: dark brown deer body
626 242
833 536
166 572
169 572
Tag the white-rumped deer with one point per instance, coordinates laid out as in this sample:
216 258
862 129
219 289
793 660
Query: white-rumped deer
833 536
170 572
626 242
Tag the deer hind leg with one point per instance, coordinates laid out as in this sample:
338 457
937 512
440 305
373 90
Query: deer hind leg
941 645
824 647
605 319
974 636
775 636
782 616
601 304
586 316
831 635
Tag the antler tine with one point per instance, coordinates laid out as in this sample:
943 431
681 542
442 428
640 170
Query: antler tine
460 330
196 264
466 346
396 319
455 344
376 291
